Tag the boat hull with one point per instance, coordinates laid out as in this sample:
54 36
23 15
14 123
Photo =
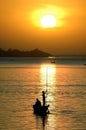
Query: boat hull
42 110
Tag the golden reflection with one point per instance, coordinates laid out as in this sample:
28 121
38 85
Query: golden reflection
48 74
48 82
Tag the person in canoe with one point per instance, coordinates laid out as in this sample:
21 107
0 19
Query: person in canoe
38 103
43 97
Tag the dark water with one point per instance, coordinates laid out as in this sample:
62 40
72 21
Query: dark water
23 80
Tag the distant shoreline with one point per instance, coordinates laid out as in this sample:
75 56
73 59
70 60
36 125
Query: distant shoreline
18 53
33 53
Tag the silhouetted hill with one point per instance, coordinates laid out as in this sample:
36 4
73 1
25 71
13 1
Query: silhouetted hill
18 53
38 53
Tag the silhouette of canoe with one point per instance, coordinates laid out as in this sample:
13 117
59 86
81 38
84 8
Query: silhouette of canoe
42 110
52 61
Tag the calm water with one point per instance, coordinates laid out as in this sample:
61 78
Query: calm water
23 79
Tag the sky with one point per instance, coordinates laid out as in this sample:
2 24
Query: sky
20 26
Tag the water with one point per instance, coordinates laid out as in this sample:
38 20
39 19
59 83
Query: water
23 79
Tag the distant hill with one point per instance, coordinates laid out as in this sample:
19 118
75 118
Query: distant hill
38 53
18 53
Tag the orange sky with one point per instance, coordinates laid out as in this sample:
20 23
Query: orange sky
20 26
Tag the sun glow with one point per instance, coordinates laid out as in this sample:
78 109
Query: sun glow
50 16
48 21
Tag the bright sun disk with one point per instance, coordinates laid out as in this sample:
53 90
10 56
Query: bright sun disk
48 21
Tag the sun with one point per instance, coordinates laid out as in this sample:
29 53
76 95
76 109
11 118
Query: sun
49 17
48 21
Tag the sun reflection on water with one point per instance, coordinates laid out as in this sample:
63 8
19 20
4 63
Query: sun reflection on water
48 75
48 82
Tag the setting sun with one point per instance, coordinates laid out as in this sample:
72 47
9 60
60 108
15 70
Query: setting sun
48 21
49 17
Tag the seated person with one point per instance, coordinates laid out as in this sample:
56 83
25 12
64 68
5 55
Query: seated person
38 103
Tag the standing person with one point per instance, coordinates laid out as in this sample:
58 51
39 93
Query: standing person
43 96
